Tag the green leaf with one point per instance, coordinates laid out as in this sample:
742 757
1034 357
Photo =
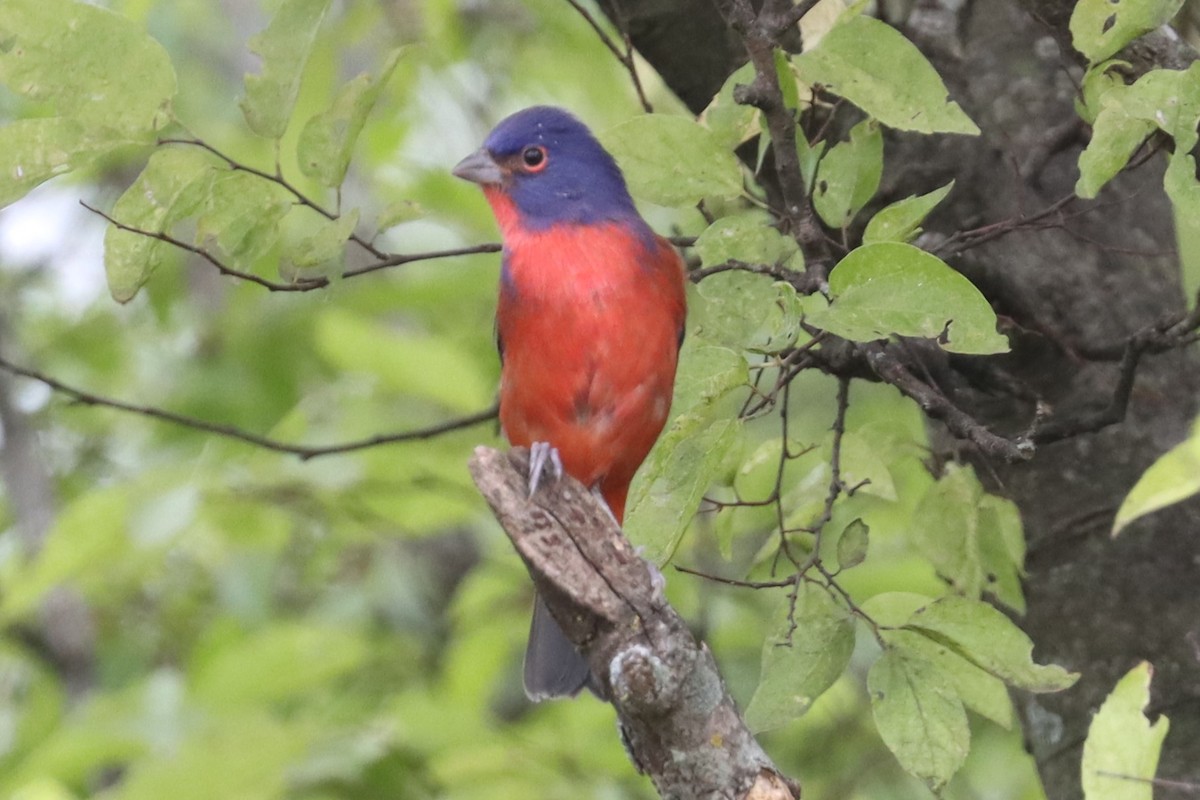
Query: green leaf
801 657
110 84
919 716
321 253
1165 99
672 160
1001 541
901 221
87 63
848 175
742 309
788 84
872 65
893 609
242 215
1099 80
809 155
1184 192
1099 28
852 544
706 374
35 150
1174 477
690 454
397 213
748 238
174 183
862 466
731 122
327 141
1115 137
1121 753
745 311
284 47
969 537
984 694
280 662
987 638
669 486
434 368
890 288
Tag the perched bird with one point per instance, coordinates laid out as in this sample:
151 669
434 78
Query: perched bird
589 323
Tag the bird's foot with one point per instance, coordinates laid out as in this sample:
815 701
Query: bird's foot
657 579
541 455
604 504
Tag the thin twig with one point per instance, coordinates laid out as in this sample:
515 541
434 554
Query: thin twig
302 284
222 267
742 584
303 452
960 241
625 56
937 405
277 178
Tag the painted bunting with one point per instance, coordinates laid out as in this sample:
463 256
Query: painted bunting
589 323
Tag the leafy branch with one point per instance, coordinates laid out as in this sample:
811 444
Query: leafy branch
381 259
760 33
278 179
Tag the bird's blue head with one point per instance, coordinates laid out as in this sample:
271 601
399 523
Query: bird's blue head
551 168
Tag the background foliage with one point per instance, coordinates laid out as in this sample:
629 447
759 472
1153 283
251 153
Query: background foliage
186 614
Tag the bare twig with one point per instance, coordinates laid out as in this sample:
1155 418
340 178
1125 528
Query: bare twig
937 405
222 267
960 241
770 270
625 55
303 452
302 284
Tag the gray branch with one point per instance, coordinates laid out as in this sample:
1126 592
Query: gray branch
679 723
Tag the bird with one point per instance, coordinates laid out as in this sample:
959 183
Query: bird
589 323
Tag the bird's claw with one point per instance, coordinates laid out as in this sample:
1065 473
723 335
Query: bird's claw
604 504
542 454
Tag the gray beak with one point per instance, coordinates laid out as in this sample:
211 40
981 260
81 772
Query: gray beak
479 167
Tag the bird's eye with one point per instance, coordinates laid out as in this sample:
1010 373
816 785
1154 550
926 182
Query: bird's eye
534 158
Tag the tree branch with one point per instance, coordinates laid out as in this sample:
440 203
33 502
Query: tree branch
678 721
931 400
760 38
304 452
303 284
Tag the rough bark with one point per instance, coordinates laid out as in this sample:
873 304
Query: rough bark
1096 605
679 724
1077 287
